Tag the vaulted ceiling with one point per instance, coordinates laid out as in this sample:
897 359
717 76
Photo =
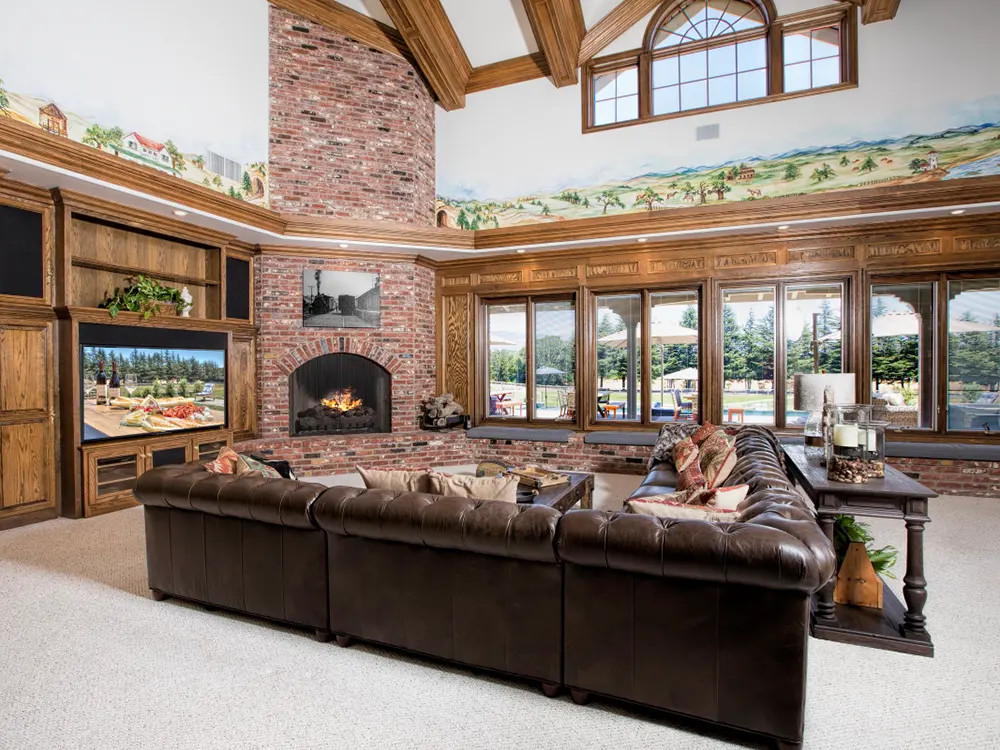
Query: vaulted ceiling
464 46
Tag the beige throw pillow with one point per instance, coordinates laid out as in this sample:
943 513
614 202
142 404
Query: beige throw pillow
396 480
677 505
480 488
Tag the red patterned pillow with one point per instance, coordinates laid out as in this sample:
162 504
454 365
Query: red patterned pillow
703 432
718 465
685 453
225 462
691 478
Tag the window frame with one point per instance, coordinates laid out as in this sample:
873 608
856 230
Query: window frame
844 15
482 374
645 420
780 285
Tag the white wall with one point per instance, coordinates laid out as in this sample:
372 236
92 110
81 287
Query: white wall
931 68
194 71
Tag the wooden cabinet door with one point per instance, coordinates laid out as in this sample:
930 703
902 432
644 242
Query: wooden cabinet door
25 468
208 448
110 473
24 367
168 452
242 396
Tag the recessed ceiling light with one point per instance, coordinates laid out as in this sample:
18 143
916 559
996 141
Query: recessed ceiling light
178 212
958 212
642 239
344 245
520 250
783 227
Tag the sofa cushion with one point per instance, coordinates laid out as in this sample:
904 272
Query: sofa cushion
396 480
253 467
724 498
502 487
670 434
691 478
676 506
685 454
717 463
703 433
224 463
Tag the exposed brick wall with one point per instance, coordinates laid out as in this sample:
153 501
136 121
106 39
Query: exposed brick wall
950 477
351 128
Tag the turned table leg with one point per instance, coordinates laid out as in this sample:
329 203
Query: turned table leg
825 607
914 583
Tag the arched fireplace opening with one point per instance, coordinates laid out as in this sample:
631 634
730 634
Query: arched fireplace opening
339 394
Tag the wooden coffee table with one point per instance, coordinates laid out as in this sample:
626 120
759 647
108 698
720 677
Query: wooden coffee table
562 497
896 496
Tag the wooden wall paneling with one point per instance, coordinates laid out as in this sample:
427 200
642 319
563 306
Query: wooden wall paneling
457 329
435 46
339 17
874 11
559 29
243 394
26 475
24 365
70 460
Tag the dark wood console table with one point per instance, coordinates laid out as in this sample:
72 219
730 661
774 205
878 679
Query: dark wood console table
895 496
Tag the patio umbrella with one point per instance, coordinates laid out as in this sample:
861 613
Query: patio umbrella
548 371
500 341
908 324
659 333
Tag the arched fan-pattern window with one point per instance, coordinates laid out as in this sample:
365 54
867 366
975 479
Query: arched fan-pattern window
705 54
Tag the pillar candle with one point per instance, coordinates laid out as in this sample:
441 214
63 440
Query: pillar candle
845 435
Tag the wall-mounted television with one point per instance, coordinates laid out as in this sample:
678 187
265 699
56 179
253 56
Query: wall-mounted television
147 382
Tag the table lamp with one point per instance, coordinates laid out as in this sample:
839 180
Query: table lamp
809 393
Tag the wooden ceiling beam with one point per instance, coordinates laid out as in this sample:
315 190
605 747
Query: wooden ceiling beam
337 17
619 19
435 46
559 29
873 11
506 72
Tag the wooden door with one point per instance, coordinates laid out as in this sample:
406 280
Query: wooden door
242 396
110 473
25 468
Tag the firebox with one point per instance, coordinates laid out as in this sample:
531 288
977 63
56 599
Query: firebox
339 394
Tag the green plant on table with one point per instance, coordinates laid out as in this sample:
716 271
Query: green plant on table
847 529
142 295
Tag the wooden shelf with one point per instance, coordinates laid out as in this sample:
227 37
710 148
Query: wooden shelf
100 265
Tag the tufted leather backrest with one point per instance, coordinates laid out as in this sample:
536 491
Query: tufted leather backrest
282 502
524 532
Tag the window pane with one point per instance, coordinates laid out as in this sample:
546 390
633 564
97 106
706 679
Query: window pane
555 360
628 108
604 112
902 352
666 100
797 47
752 55
694 66
674 355
619 344
694 95
722 90
507 328
628 82
813 317
722 60
665 72
752 85
974 355
826 72
825 42
797 77
604 86
748 355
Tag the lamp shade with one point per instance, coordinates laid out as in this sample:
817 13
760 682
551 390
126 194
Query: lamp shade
809 389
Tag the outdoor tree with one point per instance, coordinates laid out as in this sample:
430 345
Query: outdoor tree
176 157
97 137
199 161
647 198
844 161
546 211
703 189
974 357
609 198
822 173
792 171
4 100
463 220
247 185
869 164
217 181
719 186
918 165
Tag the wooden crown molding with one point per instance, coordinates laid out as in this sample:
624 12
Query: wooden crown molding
319 227
506 72
559 29
337 17
619 19
435 45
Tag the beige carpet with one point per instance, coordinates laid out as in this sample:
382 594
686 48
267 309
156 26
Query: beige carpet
88 660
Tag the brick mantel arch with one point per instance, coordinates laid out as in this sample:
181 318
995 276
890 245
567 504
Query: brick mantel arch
338 344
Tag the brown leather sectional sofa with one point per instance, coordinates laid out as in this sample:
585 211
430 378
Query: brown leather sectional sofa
701 619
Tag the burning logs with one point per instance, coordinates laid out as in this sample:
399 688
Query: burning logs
443 411
330 419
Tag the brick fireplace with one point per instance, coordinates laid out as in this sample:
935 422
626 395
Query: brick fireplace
339 393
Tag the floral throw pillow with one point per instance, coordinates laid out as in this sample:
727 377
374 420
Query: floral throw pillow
670 434
246 466
718 459
702 433
224 463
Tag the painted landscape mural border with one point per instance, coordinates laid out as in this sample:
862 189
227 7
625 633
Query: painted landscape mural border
955 153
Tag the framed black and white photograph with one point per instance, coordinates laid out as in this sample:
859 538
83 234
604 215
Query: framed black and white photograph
341 299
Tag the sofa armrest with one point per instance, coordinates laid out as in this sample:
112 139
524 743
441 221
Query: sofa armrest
282 502
776 550
524 532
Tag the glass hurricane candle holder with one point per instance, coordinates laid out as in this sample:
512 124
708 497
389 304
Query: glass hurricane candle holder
871 444
845 460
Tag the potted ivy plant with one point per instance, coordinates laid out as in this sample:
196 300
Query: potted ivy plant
145 296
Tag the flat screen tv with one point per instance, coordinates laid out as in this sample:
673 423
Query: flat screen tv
143 391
